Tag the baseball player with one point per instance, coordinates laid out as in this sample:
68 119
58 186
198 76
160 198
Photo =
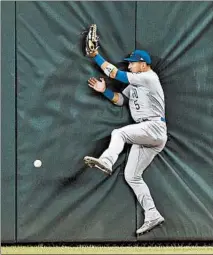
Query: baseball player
148 135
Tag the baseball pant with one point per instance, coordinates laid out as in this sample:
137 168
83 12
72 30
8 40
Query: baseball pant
148 139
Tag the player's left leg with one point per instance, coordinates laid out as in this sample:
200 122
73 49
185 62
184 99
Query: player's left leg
139 159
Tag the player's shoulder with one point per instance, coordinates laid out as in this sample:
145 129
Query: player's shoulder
148 73
145 75
142 78
151 75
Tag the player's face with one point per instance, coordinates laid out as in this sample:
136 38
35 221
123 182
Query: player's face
135 67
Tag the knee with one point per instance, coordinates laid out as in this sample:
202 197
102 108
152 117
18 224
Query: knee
118 132
115 132
128 177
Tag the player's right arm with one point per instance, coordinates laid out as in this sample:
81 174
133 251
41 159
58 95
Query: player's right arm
100 86
109 69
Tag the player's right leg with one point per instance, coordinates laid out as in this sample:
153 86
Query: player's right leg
98 163
132 134
110 155
140 134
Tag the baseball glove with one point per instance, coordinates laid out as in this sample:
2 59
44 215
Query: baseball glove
92 40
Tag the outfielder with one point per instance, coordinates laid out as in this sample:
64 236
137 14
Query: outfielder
148 135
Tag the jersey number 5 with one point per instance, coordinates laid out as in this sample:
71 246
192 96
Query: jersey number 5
137 106
135 95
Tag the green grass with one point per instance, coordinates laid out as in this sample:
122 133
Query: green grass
105 250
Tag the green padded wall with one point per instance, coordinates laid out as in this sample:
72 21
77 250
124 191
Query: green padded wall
60 120
8 170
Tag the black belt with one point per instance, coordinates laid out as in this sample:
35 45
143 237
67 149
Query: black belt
152 118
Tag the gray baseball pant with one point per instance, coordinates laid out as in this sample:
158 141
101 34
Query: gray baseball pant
148 139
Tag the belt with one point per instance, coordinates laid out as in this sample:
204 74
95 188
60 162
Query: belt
153 118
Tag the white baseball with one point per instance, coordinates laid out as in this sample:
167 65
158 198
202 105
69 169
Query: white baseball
37 163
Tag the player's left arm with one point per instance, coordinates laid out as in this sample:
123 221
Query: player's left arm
100 86
109 69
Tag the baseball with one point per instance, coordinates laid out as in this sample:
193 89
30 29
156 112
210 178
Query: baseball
37 163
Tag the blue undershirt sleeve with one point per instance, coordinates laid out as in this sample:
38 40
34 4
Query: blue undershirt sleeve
108 94
99 60
122 76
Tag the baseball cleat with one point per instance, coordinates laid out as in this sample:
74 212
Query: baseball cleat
98 163
149 225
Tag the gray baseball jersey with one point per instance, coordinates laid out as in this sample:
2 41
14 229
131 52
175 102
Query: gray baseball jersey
146 97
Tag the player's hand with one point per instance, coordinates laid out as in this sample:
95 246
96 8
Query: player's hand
97 85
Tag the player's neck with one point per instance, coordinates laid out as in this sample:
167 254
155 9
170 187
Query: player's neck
146 69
